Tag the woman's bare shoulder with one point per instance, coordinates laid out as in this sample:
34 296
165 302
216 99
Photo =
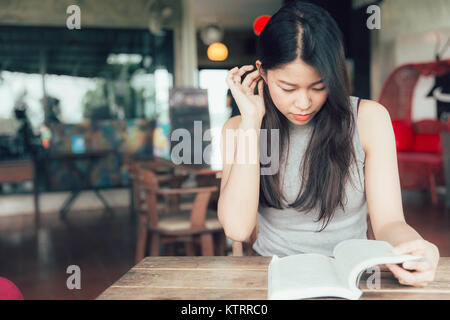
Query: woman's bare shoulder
368 108
372 116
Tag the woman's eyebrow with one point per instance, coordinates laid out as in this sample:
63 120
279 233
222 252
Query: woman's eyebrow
293 84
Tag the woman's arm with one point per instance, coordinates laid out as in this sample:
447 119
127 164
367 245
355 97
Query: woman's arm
239 188
383 194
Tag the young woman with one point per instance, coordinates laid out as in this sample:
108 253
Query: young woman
337 152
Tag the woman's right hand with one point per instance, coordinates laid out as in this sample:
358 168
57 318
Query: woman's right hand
250 105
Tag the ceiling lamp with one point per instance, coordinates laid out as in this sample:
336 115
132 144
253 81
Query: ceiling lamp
259 24
211 33
217 52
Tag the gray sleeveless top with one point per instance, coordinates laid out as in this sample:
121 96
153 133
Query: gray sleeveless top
287 231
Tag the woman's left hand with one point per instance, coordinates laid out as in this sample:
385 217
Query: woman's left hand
416 273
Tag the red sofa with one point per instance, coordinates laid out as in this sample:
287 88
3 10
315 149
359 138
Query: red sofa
420 154
419 147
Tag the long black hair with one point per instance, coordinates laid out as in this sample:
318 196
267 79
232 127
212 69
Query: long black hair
303 30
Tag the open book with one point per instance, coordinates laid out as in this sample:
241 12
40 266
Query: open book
311 275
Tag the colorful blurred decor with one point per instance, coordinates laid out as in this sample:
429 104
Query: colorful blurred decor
46 136
161 139
117 139
78 145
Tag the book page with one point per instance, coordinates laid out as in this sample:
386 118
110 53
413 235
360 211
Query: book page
355 255
304 276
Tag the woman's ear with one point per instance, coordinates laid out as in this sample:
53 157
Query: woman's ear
261 70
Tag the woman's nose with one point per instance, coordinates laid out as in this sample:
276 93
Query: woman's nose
303 102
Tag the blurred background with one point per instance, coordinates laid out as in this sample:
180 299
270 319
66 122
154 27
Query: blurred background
90 92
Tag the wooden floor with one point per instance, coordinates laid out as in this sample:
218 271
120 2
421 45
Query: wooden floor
103 248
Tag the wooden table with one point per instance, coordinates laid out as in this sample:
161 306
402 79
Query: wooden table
19 171
242 278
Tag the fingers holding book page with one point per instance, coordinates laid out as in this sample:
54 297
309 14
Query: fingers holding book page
416 273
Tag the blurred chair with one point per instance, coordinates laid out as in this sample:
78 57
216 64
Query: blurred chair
420 155
445 138
166 177
419 152
240 248
195 228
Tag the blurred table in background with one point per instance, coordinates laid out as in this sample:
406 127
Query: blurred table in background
19 171
197 169
85 176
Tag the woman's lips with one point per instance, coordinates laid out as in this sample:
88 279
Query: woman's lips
300 117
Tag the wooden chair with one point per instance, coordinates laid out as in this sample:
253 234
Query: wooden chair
238 248
197 226
166 177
